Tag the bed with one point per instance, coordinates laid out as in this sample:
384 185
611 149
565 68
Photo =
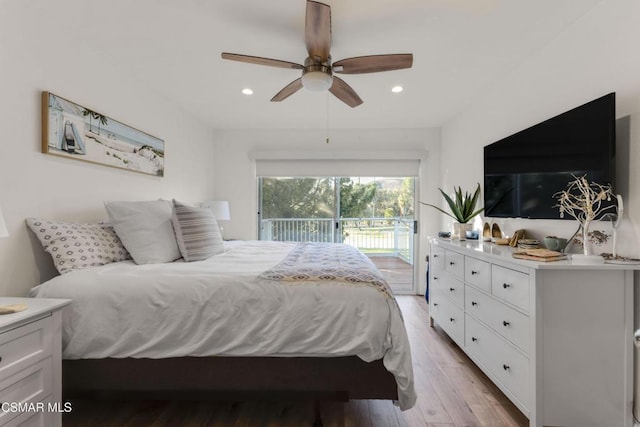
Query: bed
261 319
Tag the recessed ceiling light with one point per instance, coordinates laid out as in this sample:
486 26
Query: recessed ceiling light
247 91
397 89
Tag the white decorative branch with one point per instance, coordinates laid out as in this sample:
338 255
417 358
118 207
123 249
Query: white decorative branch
584 201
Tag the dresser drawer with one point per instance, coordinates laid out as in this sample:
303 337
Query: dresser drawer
511 286
509 366
454 264
436 261
506 321
25 345
31 384
437 279
450 318
454 290
477 273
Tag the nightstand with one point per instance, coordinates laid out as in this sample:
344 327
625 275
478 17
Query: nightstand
31 363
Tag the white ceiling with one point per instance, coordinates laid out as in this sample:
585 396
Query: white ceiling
461 49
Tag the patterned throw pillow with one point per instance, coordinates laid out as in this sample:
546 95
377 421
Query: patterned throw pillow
74 246
197 232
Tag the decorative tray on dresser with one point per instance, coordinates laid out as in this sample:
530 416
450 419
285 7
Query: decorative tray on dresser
30 363
555 337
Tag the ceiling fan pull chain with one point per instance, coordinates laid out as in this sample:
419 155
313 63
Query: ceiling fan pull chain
327 140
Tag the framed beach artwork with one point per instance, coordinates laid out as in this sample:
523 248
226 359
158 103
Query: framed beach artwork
73 131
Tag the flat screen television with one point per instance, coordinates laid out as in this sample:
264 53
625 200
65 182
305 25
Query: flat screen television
522 172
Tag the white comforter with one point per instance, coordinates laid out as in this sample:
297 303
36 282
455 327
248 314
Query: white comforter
220 307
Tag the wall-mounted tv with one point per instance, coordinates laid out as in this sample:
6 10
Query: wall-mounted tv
523 171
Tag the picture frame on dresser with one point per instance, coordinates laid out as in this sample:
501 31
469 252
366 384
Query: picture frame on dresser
555 337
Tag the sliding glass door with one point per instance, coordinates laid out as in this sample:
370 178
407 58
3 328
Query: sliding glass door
297 209
373 214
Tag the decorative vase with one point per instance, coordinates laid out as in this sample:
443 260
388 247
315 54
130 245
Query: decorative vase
586 257
586 249
460 230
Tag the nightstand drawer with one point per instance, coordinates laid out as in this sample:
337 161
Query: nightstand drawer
34 419
24 346
32 384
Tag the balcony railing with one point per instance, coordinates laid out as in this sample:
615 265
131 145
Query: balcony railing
373 236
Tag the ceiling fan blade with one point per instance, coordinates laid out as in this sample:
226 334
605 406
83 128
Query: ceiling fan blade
318 29
288 90
344 92
373 63
261 61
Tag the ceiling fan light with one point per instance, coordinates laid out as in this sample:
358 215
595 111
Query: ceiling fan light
317 81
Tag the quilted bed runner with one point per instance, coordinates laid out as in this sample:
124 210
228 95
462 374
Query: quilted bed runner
309 262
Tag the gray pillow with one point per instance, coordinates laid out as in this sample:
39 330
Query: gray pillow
197 232
145 230
74 246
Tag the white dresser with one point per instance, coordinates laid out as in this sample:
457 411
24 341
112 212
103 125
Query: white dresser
556 338
30 363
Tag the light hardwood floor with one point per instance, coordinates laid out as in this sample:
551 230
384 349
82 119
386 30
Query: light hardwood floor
451 390
396 272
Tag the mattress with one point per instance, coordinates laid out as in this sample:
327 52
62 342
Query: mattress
222 307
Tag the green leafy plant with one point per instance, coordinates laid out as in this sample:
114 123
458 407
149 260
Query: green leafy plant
463 208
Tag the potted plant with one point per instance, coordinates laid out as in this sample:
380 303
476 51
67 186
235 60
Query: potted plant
463 209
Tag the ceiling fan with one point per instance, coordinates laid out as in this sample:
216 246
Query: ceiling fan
318 71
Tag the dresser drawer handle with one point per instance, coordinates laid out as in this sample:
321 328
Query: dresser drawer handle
451 319
506 367
452 289
474 339
473 303
506 285
473 272
435 304
435 277
505 323
435 256
452 263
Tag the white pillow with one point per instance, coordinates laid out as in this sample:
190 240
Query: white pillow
197 232
145 230
75 246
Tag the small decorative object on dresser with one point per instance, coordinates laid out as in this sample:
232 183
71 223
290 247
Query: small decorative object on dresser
463 209
555 243
31 365
585 201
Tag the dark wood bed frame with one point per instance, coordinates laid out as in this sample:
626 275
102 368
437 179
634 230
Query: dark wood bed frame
228 378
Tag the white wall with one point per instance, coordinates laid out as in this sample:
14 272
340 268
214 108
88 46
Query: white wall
33 184
235 174
595 56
